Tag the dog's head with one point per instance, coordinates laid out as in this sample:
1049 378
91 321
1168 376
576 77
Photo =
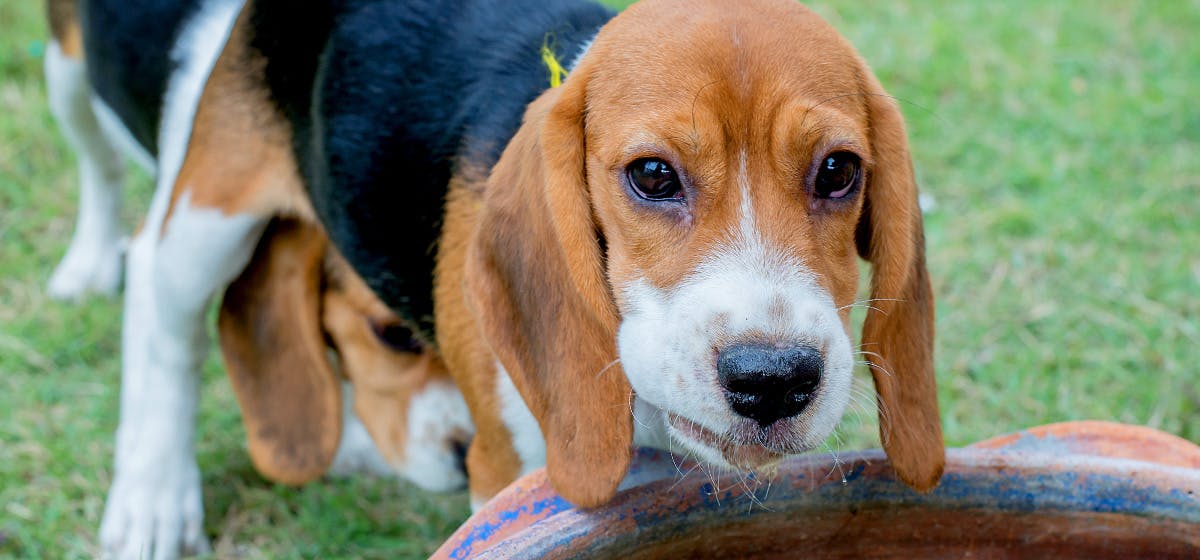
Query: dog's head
295 318
680 220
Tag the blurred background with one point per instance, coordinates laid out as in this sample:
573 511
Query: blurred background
1057 143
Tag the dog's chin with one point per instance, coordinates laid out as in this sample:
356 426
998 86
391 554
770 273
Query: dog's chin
746 449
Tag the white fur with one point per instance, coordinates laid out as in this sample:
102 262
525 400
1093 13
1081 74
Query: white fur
436 416
356 452
437 419
649 425
120 136
154 508
649 429
583 50
527 437
93 260
477 503
667 336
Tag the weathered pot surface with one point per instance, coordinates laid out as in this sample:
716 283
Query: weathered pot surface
1077 489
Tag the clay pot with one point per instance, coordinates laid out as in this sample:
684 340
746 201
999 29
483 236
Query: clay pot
1072 490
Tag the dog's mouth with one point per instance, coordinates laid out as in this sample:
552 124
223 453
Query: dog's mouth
751 451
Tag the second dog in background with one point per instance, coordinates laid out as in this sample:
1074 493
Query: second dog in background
295 324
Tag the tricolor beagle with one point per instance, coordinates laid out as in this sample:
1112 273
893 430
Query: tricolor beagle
296 324
661 250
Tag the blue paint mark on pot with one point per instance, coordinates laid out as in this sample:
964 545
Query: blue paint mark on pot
483 531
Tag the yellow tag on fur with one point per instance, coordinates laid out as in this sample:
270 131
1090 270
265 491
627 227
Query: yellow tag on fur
557 72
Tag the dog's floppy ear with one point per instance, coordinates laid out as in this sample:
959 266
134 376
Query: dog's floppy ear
535 280
275 352
898 333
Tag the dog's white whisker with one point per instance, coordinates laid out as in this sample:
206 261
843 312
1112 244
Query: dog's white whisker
608 367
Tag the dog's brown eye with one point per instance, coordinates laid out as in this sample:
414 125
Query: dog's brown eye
837 175
395 336
653 179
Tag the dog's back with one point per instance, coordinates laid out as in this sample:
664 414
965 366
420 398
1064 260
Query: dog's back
404 89
408 91
129 49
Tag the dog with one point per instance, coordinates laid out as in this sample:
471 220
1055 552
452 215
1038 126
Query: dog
640 229
665 254
327 377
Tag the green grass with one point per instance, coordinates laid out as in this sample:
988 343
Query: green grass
1061 141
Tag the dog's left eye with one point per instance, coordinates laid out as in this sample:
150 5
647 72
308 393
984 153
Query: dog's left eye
395 336
837 175
654 179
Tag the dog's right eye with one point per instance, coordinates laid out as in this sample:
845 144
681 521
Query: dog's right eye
837 175
395 336
654 179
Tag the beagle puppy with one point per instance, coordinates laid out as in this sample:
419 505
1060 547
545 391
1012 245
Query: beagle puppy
296 324
639 229
665 254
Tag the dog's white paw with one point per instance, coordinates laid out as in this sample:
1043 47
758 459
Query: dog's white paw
155 515
89 268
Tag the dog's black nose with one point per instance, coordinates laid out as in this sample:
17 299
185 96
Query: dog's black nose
766 383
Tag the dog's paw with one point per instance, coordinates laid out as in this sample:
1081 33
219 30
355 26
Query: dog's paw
154 515
94 268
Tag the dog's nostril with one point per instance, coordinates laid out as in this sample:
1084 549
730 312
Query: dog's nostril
766 383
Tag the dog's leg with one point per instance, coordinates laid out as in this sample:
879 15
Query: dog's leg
154 508
93 259
175 265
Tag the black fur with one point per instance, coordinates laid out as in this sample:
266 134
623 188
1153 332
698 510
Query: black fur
384 95
385 98
128 57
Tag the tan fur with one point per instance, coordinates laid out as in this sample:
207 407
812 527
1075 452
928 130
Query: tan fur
63 17
296 295
521 277
239 157
296 300
271 337
385 380
536 286
765 79
491 460
899 326
239 161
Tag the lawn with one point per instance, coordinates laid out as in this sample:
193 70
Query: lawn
1059 140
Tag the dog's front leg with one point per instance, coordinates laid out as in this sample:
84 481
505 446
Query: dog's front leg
154 507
